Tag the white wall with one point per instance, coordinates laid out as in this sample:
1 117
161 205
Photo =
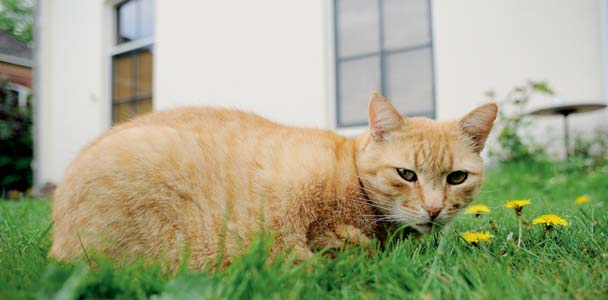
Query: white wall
482 45
263 56
269 57
73 106
275 57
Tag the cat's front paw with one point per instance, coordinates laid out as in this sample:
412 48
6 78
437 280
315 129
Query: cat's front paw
354 236
300 254
342 237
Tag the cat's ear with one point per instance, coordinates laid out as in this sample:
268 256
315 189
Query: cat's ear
383 117
477 124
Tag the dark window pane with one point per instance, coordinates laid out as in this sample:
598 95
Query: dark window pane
127 22
9 97
358 80
123 77
148 15
409 81
132 84
143 106
144 73
406 23
358 30
122 112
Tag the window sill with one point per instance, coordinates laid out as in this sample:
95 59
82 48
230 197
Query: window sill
132 45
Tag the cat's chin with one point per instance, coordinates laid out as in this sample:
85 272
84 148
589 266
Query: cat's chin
423 228
420 228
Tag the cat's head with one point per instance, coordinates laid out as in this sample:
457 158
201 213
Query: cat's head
418 171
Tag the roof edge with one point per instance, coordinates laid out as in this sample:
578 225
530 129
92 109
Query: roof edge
24 62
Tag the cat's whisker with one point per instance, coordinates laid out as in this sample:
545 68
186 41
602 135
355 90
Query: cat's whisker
382 219
365 202
410 209
380 215
376 196
365 189
373 201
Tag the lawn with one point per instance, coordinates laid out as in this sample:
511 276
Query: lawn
567 262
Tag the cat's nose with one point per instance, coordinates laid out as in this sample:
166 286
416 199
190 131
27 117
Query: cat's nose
433 212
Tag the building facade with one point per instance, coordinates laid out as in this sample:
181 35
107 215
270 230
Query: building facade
302 63
16 69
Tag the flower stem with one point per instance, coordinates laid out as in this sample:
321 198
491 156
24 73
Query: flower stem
519 235
592 219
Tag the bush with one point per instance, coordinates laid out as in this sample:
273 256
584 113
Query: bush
15 143
590 151
513 146
512 122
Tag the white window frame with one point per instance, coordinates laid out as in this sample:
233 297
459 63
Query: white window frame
604 39
22 93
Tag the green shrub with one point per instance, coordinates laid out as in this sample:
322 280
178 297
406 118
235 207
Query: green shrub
512 122
514 146
15 143
590 151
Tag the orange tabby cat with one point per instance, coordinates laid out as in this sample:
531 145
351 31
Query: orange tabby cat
208 180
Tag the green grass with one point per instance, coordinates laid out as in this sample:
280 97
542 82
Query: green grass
570 262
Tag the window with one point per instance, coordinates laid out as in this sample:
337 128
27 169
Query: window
132 62
386 46
14 95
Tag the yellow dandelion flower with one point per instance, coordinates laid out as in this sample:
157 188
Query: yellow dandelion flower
582 199
517 205
474 237
477 210
550 220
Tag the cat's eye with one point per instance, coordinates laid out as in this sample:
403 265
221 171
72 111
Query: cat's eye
407 175
457 177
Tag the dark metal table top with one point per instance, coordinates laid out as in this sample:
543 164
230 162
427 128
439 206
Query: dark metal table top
566 109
